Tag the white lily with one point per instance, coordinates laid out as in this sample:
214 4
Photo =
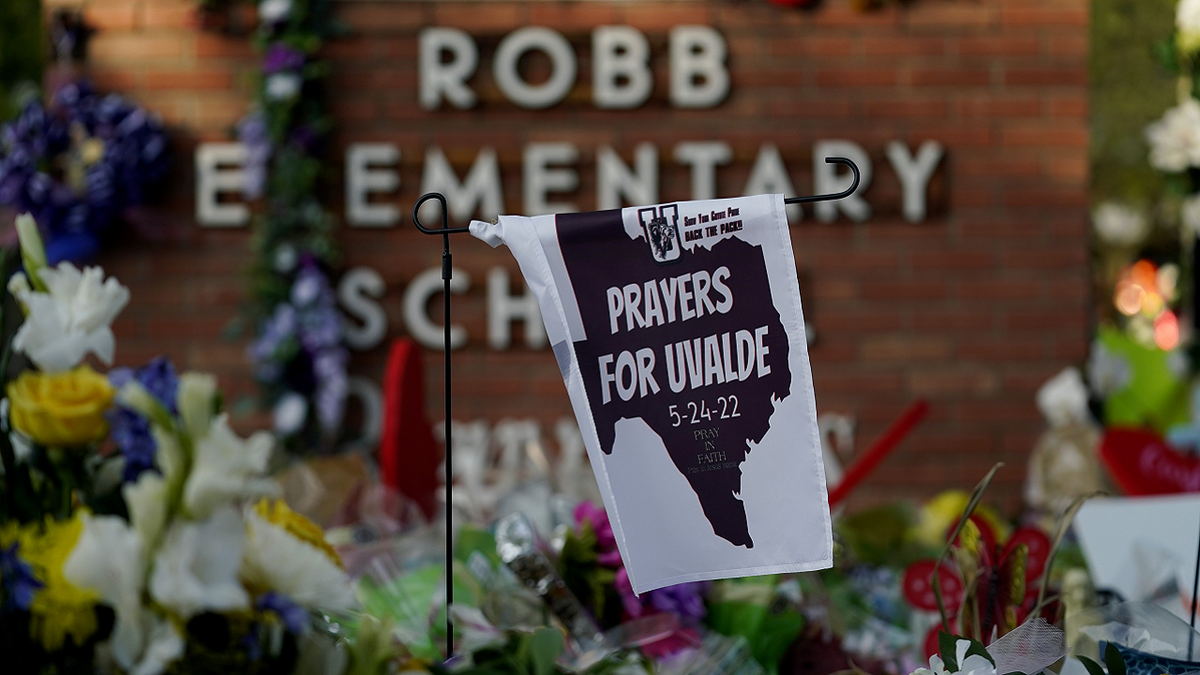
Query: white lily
109 558
147 501
197 567
71 319
195 400
165 646
226 468
280 561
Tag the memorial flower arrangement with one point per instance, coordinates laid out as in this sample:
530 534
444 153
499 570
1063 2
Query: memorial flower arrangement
299 355
138 532
79 165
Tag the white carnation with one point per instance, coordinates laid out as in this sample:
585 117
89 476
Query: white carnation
1175 139
1187 20
71 319
1118 225
283 86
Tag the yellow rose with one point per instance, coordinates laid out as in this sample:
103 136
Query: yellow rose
61 409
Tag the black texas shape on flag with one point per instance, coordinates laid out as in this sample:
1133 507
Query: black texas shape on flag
707 426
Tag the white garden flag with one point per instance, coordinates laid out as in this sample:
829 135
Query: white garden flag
680 337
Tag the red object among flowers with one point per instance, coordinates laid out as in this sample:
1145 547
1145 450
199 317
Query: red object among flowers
1142 463
408 454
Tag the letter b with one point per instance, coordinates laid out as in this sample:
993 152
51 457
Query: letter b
620 52
699 78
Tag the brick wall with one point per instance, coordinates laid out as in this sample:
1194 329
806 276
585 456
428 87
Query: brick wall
972 309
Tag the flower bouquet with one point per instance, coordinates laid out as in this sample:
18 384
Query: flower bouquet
79 164
138 533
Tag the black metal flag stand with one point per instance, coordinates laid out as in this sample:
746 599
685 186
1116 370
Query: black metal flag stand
447 272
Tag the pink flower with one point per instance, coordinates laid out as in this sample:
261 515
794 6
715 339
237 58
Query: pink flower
606 543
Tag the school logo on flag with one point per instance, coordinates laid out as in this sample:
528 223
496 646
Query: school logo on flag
661 226
690 381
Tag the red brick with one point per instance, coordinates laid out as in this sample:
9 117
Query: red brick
1007 45
904 46
937 381
187 79
139 47
164 14
110 16
944 14
906 107
210 45
1045 136
386 16
1068 106
1046 77
999 105
574 13
906 348
810 45
1001 289
857 77
950 77
1041 17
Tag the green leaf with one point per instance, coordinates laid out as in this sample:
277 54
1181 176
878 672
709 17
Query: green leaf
1093 668
946 644
972 502
1114 660
1064 523
978 648
545 646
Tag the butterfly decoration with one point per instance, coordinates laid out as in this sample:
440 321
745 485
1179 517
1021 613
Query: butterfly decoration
987 588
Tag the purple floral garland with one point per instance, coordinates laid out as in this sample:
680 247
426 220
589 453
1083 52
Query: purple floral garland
79 165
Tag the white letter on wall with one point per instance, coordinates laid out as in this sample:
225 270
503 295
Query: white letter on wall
620 52
703 157
361 180
828 179
449 78
770 176
614 179
503 308
562 63
540 179
372 413
357 292
481 190
914 173
698 75
423 287
211 180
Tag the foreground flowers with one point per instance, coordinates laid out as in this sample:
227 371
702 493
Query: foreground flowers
175 548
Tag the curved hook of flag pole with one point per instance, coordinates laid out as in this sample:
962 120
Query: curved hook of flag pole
445 229
828 198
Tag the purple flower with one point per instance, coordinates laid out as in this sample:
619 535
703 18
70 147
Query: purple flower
606 542
329 367
17 580
158 377
684 600
294 617
253 134
281 57
131 431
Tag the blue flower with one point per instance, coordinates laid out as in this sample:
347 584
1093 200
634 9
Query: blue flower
17 580
130 431
295 618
